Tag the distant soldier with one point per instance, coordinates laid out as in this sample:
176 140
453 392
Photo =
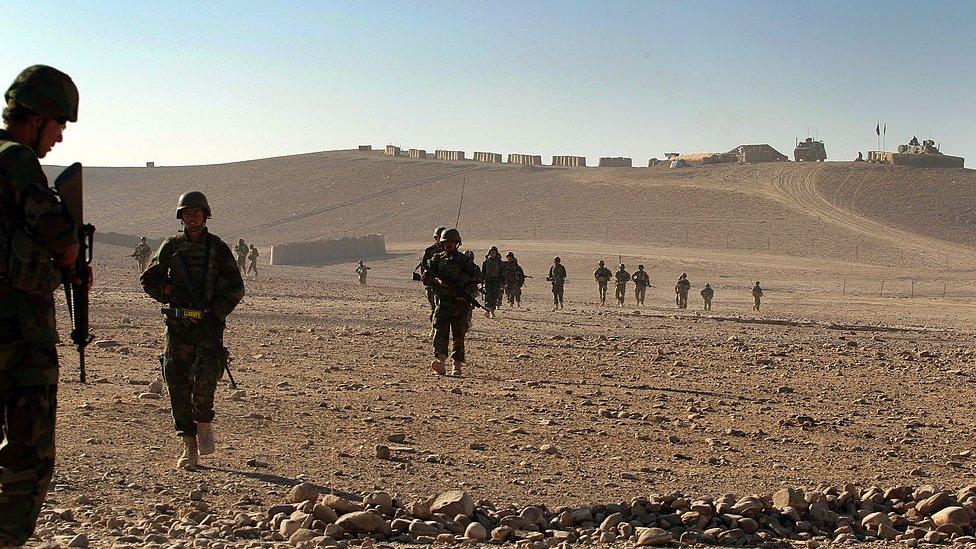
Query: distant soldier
757 295
424 264
514 280
602 275
455 278
641 282
707 294
361 270
557 275
241 251
621 278
492 270
252 260
143 253
681 290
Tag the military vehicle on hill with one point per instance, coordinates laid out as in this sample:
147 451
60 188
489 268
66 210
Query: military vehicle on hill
809 150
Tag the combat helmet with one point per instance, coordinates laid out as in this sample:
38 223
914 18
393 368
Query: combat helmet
621 266
640 267
192 199
601 263
45 91
438 231
556 260
143 239
450 235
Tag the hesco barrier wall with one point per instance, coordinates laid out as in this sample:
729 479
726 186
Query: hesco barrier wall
448 155
494 158
569 161
917 160
326 251
392 150
527 159
417 153
616 162
365 147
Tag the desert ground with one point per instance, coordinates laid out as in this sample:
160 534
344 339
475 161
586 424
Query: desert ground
841 390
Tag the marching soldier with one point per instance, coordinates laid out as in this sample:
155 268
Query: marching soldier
36 237
514 280
454 278
241 251
757 295
361 270
602 276
707 294
621 278
492 269
195 274
424 264
252 260
142 254
641 282
557 275
681 290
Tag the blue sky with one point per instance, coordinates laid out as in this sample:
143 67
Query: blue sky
202 82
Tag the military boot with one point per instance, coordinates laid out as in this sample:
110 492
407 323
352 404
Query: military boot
189 459
437 365
205 439
456 368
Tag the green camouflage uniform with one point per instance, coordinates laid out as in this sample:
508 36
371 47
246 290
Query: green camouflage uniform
241 251
557 275
514 278
602 276
641 282
452 315
33 226
707 294
252 260
757 295
621 278
681 289
361 271
429 253
492 269
212 270
143 254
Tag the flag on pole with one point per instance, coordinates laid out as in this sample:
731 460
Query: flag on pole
885 131
877 130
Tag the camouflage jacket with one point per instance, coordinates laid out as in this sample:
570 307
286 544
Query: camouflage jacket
253 254
707 292
757 291
641 278
622 277
557 273
456 270
682 286
241 250
142 251
429 253
212 270
602 274
361 270
493 270
512 273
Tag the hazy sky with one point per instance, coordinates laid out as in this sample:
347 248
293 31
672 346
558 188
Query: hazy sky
201 82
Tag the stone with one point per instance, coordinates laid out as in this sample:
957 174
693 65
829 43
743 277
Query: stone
305 491
501 533
288 527
366 522
80 540
155 387
788 497
379 499
581 515
383 452
887 532
610 523
874 519
534 515
324 513
956 516
453 503
334 531
420 528
933 503
476 531
302 535
653 537
341 505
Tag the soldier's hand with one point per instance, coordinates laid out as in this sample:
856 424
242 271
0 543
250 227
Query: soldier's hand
70 255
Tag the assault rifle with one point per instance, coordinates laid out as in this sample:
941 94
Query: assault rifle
77 278
446 287
200 314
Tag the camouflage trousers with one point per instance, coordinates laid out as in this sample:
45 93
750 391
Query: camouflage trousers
28 408
452 319
362 280
620 292
708 303
757 299
493 290
241 264
681 300
252 266
639 291
514 294
191 368
557 292
602 287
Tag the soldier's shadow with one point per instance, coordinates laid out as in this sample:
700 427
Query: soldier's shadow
272 478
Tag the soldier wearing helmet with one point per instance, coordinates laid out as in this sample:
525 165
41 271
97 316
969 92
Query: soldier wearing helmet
252 260
757 295
361 270
514 278
36 237
424 264
143 253
492 268
641 282
450 272
621 278
707 293
557 275
681 289
602 275
195 274
241 252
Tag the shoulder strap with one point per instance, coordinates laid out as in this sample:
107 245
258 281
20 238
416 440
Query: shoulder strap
8 145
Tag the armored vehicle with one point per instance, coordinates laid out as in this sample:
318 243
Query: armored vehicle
809 150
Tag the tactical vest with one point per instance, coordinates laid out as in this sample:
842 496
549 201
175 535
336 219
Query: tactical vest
492 269
200 260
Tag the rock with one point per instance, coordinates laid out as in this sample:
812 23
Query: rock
476 531
366 522
341 505
305 491
788 497
453 503
874 519
196 495
324 513
534 515
237 395
748 506
610 523
107 344
80 540
383 452
156 387
887 532
581 515
501 533
302 535
653 537
288 527
420 528
933 503
956 516
334 531
379 499
549 449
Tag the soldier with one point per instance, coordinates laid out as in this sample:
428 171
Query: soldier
361 271
429 252
757 295
641 282
514 280
454 278
557 275
707 294
602 276
681 290
241 251
252 260
194 273
492 270
142 254
621 278
36 237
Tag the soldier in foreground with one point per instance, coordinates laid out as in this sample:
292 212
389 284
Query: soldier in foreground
492 269
681 289
621 278
36 237
361 270
514 280
252 260
641 282
241 251
424 264
557 275
602 275
707 294
757 295
454 278
195 274
143 253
